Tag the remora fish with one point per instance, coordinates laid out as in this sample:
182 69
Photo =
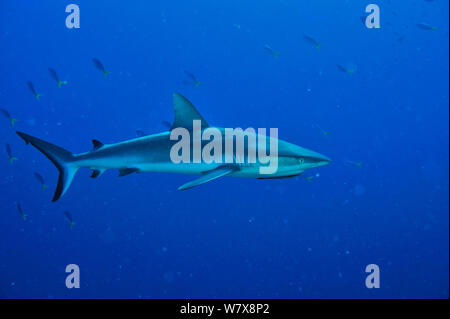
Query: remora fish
152 153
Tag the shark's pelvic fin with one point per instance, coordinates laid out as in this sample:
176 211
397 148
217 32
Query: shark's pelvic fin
185 113
97 144
209 176
95 173
127 171
62 159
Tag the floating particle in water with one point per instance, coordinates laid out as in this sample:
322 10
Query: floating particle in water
31 121
108 236
169 276
359 190
164 249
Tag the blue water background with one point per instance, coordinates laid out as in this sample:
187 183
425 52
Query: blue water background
138 237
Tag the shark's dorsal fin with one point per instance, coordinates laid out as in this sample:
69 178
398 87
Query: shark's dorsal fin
185 113
97 144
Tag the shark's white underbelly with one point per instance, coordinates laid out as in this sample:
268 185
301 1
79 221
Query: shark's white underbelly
286 167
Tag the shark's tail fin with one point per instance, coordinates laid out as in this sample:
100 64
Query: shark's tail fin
62 159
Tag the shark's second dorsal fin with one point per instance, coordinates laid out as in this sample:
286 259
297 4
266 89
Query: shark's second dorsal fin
185 113
97 144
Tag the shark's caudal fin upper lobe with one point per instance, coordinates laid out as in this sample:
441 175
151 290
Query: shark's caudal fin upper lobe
63 160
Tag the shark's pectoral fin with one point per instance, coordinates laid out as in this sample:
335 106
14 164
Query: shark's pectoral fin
127 171
209 176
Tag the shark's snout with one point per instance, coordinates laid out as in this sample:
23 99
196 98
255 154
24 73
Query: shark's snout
322 158
313 160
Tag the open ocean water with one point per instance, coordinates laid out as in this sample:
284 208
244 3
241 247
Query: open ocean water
373 100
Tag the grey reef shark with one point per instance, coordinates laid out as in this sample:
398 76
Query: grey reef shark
165 152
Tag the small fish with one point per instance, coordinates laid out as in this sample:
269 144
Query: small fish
10 156
313 41
325 133
140 133
271 51
192 79
8 116
426 26
237 26
19 208
399 36
100 66
55 77
345 69
357 164
31 87
41 180
69 218
310 178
